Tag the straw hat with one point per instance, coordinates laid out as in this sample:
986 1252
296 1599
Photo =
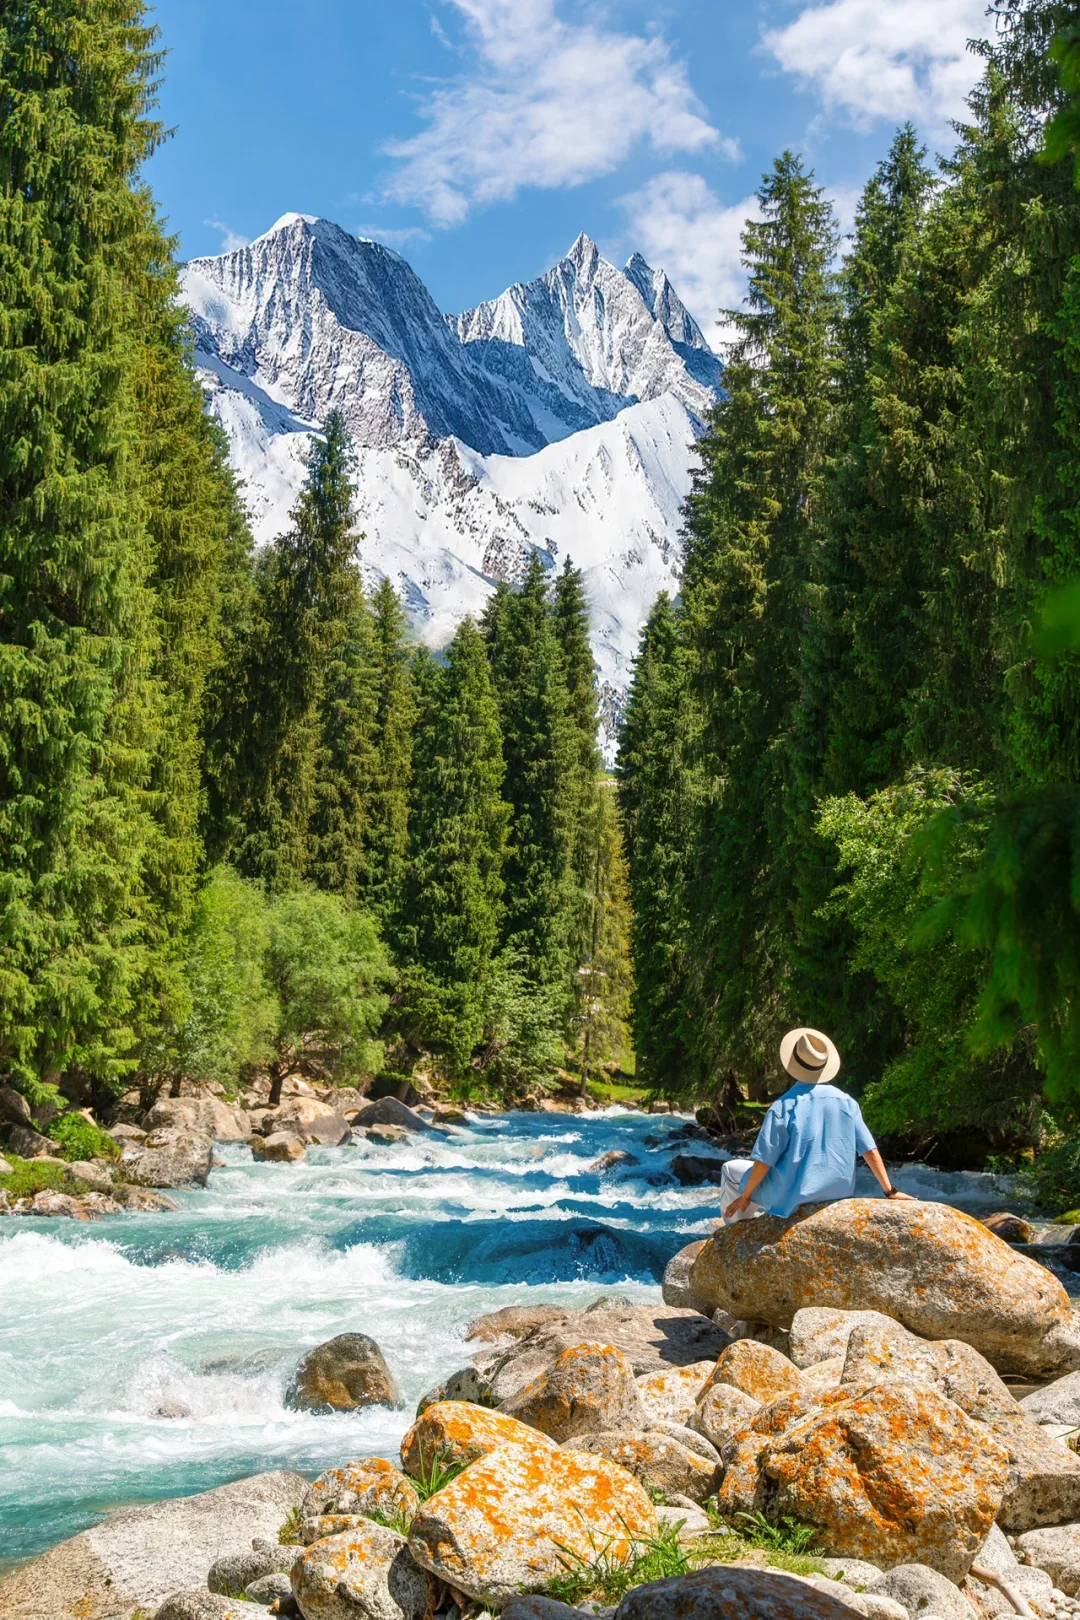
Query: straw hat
810 1056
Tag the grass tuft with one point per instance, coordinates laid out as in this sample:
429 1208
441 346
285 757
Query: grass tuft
435 1474
607 1579
289 1534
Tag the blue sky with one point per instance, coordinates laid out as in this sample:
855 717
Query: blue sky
478 137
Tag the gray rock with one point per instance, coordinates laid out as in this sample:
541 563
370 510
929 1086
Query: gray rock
236 1571
724 1412
206 1116
172 1157
676 1286
365 1574
818 1333
1057 1551
920 1588
689 1523
1058 1402
14 1108
686 1437
28 1143
464 1385
341 1375
876 1606
540 1608
732 1592
200 1604
1044 1475
854 1572
269 1587
697 1169
889 1353
5 1168
388 1111
139 1557
997 1557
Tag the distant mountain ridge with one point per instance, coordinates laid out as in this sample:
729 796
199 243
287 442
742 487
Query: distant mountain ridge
559 416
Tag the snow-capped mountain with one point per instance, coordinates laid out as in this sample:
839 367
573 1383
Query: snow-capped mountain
560 416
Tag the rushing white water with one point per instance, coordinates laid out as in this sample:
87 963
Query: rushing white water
107 1330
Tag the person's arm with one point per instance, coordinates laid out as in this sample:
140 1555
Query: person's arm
877 1164
755 1176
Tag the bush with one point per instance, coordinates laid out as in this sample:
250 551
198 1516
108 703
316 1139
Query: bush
29 1176
78 1138
1054 1179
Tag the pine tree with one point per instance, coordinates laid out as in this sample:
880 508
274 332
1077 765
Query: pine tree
660 794
571 618
602 1010
386 836
345 766
457 837
79 711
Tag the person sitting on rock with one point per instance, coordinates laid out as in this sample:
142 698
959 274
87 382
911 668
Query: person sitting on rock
809 1143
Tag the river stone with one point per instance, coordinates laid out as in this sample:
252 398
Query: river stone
671 1395
854 1572
280 1147
50 1203
688 1522
341 1375
1043 1486
885 1353
819 1333
936 1270
514 1321
1058 1402
1010 1228
755 1369
697 1169
236 1571
892 1473
655 1459
207 1116
203 1605
997 1556
676 1286
456 1432
309 1119
388 1111
365 1574
518 1517
464 1385
731 1592
923 1589
172 1157
541 1608
139 1557
824 1375
589 1389
1057 1551
723 1412
386 1135
690 1438
267 1588
372 1485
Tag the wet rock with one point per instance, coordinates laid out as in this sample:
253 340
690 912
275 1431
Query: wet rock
142 1200
672 1394
924 1590
206 1116
1058 1402
388 1111
450 1116
341 1375
514 1519
656 1459
236 1571
892 1473
364 1574
172 1157
514 1321
1010 1228
590 1389
1056 1551
371 1485
455 1432
819 1333
464 1385
731 1592
386 1135
611 1161
28 1143
309 1119
935 1270
57 1203
697 1170
280 1147
140 1557
722 1413
756 1370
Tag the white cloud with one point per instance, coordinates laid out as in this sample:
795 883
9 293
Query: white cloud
548 103
230 239
677 221
884 59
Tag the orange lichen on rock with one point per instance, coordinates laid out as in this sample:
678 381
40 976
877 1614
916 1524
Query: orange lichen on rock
672 1393
367 1571
590 1389
936 1270
458 1432
656 1459
894 1474
757 1370
370 1485
516 1519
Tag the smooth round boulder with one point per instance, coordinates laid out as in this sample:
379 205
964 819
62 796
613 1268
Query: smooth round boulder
371 1485
467 1384
236 1571
722 1413
280 1147
456 1432
672 1394
657 1460
923 1590
365 1574
590 1389
935 1270
676 1289
731 1592
342 1375
756 1369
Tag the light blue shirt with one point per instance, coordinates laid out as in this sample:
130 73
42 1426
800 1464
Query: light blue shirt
811 1139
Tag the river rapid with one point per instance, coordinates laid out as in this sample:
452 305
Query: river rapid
148 1355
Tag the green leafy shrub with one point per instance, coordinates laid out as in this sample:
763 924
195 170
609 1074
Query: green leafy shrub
76 1137
1053 1180
30 1176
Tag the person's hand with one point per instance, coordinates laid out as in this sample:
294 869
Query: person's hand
738 1206
908 1198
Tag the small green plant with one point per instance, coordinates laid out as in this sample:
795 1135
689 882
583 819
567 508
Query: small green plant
436 1473
289 1534
400 1521
786 1535
76 1137
607 1578
28 1177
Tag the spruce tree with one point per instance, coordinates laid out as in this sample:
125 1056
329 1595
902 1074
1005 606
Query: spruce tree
385 842
602 1009
79 710
345 766
571 617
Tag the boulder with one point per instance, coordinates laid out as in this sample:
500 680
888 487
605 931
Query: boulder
386 1135
608 1161
891 1473
819 1333
268 1588
932 1268
52 1203
924 1590
722 1413
1043 1486
590 1389
514 1321
534 1607
92 1173
144 1199
656 1459
139 1557
853 1572
370 1485
320 1526
200 1604
688 1522
28 1143
14 1108
1010 1228
676 1287
889 1353
755 1369
1058 1402
455 1432
172 1157
280 1147
236 1571
1057 1552
207 1116
388 1111
518 1517
691 1439
309 1119
364 1574
466 1384
731 1592
824 1374
996 1556
672 1394
450 1116
341 1375
697 1169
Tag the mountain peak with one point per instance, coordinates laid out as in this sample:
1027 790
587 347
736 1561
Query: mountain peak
584 251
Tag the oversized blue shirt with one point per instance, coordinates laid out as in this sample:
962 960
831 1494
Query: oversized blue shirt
811 1139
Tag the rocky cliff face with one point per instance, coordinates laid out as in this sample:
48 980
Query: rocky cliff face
560 416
